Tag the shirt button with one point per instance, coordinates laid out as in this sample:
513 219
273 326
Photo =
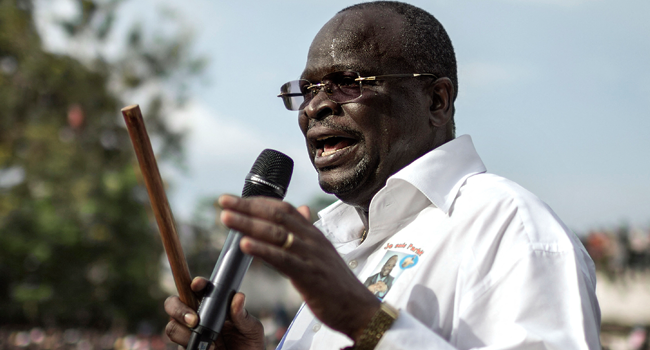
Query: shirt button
316 327
352 264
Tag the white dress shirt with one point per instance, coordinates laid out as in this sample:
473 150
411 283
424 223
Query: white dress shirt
482 262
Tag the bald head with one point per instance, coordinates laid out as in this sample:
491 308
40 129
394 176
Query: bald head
366 41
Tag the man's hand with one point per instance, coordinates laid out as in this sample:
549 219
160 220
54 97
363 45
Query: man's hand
330 289
240 332
378 287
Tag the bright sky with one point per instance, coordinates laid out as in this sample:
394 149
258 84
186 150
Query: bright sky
555 94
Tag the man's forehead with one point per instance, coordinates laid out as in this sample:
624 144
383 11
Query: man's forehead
363 41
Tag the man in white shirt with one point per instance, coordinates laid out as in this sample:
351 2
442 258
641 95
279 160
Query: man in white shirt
480 262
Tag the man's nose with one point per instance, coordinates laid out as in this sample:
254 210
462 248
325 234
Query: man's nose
321 106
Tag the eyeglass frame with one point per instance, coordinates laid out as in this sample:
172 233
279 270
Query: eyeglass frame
320 86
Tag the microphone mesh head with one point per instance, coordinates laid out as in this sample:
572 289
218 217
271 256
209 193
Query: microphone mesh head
273 167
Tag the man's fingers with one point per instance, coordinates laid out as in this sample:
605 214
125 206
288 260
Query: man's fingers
267 209
237 311
259 229
286 262
178 333
246 324
198 285
180 312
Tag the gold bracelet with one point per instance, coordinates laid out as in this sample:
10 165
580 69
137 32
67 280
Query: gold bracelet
379 324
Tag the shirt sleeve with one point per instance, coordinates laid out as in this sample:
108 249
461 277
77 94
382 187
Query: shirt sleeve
545 300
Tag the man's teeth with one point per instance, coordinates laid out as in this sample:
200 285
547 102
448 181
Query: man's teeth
332 146
329 153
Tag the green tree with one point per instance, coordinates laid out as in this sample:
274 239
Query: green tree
77 245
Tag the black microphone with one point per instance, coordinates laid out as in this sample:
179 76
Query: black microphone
269 177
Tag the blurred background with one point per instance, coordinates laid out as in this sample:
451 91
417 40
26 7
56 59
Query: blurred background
555 94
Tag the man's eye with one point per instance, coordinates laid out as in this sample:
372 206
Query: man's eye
347 82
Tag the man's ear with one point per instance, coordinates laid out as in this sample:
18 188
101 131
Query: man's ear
442 102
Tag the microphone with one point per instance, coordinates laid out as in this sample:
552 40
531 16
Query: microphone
269 177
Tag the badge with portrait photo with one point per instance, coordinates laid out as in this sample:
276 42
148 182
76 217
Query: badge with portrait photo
388 271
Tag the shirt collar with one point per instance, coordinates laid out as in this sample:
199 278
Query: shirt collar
438 175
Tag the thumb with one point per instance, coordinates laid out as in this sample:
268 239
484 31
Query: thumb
244 322
305 212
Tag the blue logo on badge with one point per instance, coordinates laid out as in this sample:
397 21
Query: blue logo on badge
408 261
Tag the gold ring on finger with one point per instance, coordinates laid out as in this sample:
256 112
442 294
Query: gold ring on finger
288 242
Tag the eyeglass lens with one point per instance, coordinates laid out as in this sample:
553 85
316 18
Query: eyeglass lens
340 87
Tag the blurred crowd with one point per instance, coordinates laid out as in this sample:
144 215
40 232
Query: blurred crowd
625 338
619 251
275 324
81 339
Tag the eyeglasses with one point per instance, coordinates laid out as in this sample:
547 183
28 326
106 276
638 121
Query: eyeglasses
340 87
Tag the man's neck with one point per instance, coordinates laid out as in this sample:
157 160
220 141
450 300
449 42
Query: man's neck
363 214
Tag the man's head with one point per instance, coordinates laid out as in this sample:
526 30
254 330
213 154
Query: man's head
388 266
356 146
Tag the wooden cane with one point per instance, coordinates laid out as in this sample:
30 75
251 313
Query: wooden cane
159 203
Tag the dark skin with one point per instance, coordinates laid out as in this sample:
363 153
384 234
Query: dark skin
240 331
392 124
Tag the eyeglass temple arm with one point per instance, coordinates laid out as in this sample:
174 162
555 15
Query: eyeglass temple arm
285 94
394 76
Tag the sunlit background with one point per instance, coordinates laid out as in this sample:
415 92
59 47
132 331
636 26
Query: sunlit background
555 94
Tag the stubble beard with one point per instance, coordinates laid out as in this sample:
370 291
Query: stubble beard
344 185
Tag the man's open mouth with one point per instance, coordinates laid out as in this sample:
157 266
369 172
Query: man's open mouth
328 145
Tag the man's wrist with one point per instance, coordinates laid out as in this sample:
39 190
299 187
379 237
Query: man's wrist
380 322
365 318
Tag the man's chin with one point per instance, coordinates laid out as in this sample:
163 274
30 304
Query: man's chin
348 185
340 183
340 189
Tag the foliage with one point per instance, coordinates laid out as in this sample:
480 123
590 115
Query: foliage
77 245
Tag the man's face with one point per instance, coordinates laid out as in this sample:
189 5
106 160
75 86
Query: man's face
356 146
388 266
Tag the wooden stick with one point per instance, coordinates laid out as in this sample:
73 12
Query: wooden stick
159 203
